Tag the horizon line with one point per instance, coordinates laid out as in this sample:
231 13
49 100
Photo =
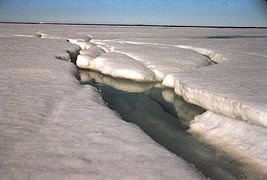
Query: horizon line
128 25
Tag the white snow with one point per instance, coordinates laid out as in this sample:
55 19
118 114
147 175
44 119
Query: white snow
227 88
236 87
83 61
210 87
53 128
117 65
169 81
243 141
93 52
159 58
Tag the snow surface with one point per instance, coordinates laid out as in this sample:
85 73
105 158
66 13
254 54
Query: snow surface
99 57
243 141
160 59
236 87
117 65
209 88
54 128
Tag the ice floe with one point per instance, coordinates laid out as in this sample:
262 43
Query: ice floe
161 59
117 65
235 87
241 140
120 84
53 128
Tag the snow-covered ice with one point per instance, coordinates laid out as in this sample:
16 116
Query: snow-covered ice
243 141
54 128
235 87
161 59
121 84
214 88
117 65
182 58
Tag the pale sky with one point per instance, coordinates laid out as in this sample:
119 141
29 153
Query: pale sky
175 12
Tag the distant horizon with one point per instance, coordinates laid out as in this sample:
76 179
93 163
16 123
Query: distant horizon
239 13
122 24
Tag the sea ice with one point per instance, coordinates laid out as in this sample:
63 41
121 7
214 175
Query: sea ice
117 65
120 84
227 88
54 128
184 110
161 59
243 141
234 87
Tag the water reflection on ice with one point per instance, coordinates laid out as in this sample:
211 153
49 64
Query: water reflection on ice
145 106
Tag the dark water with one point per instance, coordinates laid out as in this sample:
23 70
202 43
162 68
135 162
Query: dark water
164 121
234 37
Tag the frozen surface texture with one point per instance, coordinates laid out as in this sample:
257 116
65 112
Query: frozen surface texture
221 70
161 59
243 141
117 65
235 87
51 127
101 58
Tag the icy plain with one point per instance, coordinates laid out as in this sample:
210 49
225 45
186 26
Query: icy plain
54 128
221 70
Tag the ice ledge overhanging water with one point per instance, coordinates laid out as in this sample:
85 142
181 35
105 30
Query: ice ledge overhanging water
216 103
